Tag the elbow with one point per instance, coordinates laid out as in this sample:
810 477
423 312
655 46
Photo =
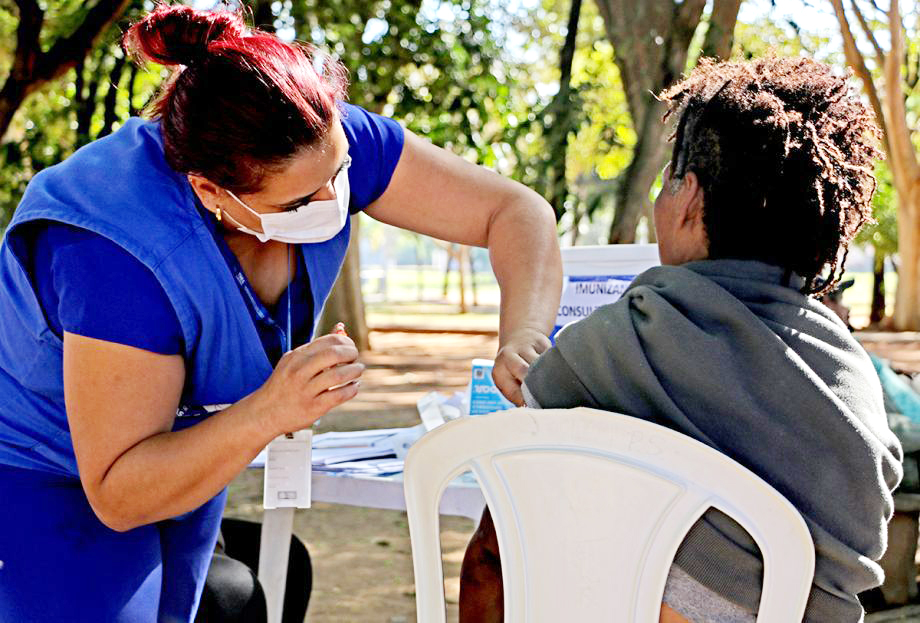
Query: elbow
542 221
119 524
547 212
115 520
526 206
541 211
114 514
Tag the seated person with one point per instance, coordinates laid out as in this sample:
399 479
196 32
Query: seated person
769 181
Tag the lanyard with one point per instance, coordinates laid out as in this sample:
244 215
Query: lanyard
288 300
247 291
288 458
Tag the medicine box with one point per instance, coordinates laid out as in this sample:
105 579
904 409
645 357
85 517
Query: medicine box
484 395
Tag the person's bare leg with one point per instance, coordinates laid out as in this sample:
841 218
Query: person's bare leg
481 597
669 615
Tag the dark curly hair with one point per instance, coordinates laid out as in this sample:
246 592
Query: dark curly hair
784 150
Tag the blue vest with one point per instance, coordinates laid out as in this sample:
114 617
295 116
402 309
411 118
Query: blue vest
122 188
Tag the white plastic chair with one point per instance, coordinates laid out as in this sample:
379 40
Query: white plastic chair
589 508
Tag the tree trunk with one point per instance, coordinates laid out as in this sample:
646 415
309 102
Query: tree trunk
577 216
720 35
877 311
25 58
469 258
419 272
450 258
462 269
85 103
12 95
650 219
907 299
132 81
345 303
651 40
559 113
32 67
263 17
905 170
632 196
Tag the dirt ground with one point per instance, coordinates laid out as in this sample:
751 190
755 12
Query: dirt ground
362 565
902 349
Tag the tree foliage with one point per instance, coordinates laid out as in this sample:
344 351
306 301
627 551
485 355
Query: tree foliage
87 101
882 235
505 85
50 40
437 67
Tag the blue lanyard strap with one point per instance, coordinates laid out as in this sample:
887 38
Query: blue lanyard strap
246 289
237 271
288 333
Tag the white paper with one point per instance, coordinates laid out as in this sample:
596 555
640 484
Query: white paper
401 442
329 456
287 471
354 438
429 409
330 449
372 467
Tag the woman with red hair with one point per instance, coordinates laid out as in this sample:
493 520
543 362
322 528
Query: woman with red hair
159 291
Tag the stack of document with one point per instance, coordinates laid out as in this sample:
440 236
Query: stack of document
370 467
333 448
364 452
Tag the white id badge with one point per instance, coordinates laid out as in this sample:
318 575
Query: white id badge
287 471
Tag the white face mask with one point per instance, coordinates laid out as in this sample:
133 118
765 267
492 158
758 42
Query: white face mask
317 221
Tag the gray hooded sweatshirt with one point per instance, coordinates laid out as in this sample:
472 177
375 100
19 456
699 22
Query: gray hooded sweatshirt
725 352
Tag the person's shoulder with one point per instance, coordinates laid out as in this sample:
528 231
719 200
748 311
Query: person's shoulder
111 185
354 119
113 149
375 144
352 114
52 240
361 125
134 150
79 252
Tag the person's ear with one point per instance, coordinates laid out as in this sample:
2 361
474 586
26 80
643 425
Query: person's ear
690 199
208 192
692 204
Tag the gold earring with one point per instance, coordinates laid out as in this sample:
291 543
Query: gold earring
217 214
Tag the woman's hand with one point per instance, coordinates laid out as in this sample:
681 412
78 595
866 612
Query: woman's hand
121 405
521 349
308 382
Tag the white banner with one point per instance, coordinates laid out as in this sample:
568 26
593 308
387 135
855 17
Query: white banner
598 276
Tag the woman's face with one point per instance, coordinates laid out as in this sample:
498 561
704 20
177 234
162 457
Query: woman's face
309 176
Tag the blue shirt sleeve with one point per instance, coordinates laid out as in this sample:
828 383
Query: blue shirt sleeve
375 144
90 286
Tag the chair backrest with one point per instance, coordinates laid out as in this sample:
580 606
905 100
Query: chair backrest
589 508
